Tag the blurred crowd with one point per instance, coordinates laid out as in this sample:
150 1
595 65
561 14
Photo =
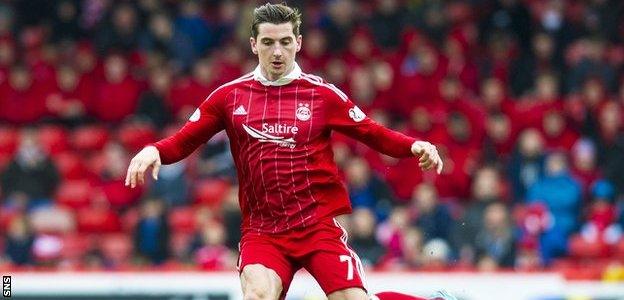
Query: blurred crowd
523 98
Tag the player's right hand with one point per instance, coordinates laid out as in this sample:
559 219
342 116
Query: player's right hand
148 157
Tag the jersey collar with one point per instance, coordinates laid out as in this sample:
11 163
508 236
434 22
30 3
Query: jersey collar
286 79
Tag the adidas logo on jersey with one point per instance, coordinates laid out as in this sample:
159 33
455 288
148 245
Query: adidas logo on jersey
240 111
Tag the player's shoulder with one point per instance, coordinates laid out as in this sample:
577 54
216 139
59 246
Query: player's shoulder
227 87
323 86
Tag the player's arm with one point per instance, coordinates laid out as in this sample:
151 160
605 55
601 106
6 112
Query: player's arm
205 122
347 118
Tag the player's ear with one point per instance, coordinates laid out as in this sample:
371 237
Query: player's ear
299 42
252 42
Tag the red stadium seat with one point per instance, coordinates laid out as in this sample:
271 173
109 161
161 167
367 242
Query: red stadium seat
182 219
211 192
8 140
70 165
580 248
90 138
97 220
74 193
54 139
135 136
76 246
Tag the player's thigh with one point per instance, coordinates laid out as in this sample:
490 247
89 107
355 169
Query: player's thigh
260 283
335 267
265 270
348 294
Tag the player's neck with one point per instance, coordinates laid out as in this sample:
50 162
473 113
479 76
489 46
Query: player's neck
268 76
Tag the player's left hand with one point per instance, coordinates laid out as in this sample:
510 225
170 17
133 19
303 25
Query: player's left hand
429 156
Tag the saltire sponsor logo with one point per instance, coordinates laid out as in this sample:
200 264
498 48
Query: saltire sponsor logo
267 138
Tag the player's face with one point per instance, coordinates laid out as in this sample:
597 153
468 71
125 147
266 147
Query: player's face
276 47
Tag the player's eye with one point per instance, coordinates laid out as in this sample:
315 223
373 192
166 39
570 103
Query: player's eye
267 42
285 42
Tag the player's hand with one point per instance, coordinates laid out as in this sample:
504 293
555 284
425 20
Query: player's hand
148 157
428 154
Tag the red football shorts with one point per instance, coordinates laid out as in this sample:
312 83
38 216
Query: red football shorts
321 249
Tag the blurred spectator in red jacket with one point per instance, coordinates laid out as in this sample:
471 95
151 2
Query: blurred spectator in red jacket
601 221
460 65
67 103
209 248
22 98
116 96
314 55
558 136
188 93
500 138
112 178
418 79
584 165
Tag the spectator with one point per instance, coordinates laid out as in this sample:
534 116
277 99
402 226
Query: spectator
540 59
31 175
432 217
191 23
527 162
366 190
67 103
499 139
164 38
188 93
66 23
601 222
388 18
486 190
216 159
19 242
362 237
153 103
611 144
151 236
584 164
120 31
22 98
495 242
172 185
562 196
111 181
211 254
116 96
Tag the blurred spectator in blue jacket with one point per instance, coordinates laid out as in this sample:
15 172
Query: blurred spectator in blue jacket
190 22
362 237
495 242
561 194
431 216
19 242
151 236
366 189
163 37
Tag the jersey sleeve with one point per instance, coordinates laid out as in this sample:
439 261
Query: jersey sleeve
345 117
204 123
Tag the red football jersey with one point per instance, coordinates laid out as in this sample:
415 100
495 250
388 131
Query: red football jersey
279 135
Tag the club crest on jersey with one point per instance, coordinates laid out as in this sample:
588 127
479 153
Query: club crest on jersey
303 112
356 114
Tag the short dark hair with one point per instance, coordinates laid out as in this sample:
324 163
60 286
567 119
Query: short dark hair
275 14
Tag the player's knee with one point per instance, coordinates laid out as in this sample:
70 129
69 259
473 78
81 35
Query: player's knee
258 293
260 283
349 294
